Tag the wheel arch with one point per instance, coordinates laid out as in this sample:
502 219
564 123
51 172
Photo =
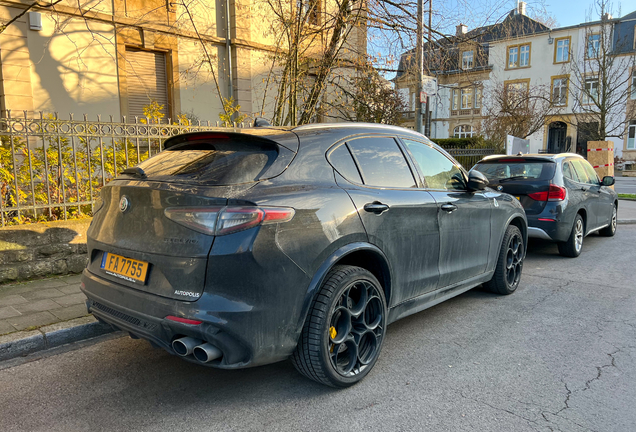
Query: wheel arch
358 254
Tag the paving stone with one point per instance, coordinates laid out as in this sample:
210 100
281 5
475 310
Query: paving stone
31 320
43 293
42 283
11 300
36 306
70 312
73 280
71 289
9 312
71 299
6 327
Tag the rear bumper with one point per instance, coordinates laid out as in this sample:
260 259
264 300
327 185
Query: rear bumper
246 335
555 227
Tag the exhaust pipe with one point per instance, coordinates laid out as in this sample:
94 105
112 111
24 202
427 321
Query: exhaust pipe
206 353
185 345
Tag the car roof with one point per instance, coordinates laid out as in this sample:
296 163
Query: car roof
533 156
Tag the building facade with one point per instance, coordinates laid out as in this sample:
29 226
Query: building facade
479 68
115 57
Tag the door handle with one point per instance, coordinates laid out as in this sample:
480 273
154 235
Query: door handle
376 207
449 207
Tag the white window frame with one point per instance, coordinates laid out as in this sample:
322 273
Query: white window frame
478 96
633 92
513 63
455 100
592 46
565 50
463 131
467 59
561 89
631 136
523 54
467 98
586 99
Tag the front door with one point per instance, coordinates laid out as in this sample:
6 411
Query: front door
464 217
556 137
399 216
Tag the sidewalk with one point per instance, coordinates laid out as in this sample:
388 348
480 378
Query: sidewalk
43 314
626 211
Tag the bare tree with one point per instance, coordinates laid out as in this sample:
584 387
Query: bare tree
515 108
601 78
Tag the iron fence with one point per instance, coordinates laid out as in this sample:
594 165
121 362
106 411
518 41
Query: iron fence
53 169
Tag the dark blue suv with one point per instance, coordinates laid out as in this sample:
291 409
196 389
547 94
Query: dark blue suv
562 195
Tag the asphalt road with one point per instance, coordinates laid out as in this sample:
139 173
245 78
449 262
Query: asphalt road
626 185
557 355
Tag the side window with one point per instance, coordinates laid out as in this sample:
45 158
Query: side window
580 171
568 172
438 171
341 160
591 173
381 162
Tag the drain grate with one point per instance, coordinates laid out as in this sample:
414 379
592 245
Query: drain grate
124 317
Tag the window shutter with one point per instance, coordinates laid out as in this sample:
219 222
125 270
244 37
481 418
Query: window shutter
147 81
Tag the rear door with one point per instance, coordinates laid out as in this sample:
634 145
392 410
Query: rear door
464 217
605 201
398 215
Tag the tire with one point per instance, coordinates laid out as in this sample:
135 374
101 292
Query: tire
572 247
610 230
509 264
344 330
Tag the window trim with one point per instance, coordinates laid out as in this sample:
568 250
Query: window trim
632 93
469 92
472 131
556 46
632 126
433 146
472 59
567 88
518 46
455 99
402 149
587 45
585 95
525 81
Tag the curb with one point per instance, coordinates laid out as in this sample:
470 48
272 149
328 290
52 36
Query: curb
626 221
26 342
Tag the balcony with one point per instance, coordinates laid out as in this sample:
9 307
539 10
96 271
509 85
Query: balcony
466 112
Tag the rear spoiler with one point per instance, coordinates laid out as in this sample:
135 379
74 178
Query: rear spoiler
279 137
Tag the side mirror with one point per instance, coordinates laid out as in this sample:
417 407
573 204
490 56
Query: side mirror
608 181
477 181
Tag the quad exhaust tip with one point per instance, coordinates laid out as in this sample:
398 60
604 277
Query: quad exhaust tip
184 346
206 353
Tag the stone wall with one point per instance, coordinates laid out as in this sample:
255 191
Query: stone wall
43 249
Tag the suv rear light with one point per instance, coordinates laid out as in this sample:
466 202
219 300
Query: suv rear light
554 193
226 220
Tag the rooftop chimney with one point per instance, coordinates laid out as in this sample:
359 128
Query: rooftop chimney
607 16
461 30
521 8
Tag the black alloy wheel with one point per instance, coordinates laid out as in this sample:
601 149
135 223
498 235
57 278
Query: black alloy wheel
510 263
345 328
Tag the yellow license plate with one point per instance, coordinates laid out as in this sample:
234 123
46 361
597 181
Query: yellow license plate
125 268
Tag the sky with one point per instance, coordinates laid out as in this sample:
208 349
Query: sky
572 12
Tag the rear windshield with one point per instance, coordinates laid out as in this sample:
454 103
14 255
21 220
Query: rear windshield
498 170
219 163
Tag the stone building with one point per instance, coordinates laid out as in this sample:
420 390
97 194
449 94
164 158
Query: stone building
114 57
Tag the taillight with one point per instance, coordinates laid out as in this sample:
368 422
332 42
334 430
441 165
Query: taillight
226 220
554 193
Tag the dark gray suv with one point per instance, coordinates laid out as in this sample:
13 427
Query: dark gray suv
237 249
563 197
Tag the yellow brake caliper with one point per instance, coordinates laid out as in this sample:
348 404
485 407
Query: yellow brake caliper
332 333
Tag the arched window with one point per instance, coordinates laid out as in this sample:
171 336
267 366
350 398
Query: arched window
463 131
